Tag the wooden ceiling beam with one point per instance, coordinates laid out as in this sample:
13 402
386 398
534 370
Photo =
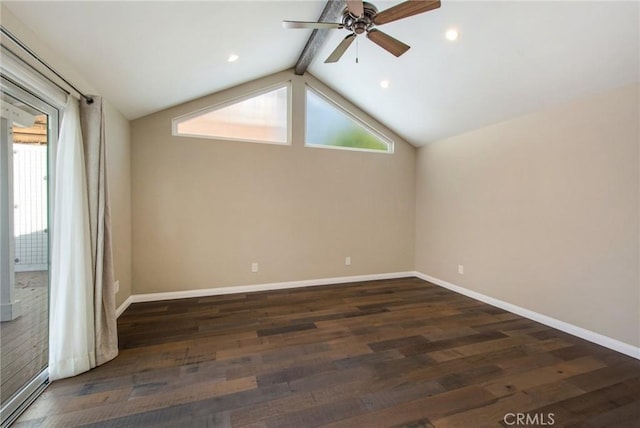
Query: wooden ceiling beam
29 139
332 13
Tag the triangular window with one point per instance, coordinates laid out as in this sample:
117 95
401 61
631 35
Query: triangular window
262 118
328 125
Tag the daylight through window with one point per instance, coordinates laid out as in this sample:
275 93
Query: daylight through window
261 118
327 125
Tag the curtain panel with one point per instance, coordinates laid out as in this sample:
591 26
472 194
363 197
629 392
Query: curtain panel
82 298
93 132
71 323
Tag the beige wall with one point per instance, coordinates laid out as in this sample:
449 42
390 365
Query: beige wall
118 152
119 176
542 211
204 210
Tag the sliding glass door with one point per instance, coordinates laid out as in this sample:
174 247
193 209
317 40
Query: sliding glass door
29 129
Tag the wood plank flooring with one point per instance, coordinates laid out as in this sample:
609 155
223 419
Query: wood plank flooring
387 353
24 342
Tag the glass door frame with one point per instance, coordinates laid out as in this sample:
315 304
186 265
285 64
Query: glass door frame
13 407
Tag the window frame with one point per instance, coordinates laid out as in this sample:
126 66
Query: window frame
286 84
358 120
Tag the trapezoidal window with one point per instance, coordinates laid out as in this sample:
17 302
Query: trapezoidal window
330 126
262 117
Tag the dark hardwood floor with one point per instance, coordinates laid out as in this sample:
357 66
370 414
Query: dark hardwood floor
388 353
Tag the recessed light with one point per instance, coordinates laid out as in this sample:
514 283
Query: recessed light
451 34
384 84
233 58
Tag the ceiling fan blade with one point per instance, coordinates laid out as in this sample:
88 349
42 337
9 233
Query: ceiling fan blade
385 41
404 10
355 7
311 25
341 49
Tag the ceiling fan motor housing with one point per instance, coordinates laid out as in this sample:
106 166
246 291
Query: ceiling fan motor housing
359 24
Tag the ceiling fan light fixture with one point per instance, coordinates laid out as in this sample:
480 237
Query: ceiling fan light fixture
451 34
360 17
385 84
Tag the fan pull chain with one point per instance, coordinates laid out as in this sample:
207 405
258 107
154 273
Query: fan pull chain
357 50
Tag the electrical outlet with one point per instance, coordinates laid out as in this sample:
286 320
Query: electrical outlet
116 285
461 269
347 261
254 267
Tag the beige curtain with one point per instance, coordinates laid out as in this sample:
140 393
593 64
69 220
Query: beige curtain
93 133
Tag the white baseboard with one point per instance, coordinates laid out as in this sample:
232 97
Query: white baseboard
170 295
123 307
608 342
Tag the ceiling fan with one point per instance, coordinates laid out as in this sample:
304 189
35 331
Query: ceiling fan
361 17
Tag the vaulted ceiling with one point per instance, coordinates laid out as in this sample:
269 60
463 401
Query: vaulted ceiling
511 58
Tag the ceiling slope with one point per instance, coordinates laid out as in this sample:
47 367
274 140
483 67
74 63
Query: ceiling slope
145 56
511 58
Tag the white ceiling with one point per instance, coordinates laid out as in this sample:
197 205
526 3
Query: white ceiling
511 57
